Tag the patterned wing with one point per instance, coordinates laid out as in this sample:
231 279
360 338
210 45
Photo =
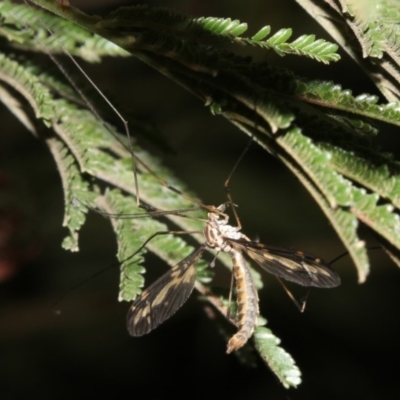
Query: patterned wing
292 265
164 297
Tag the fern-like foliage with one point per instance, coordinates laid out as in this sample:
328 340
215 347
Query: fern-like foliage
280 362
368 31
317 129
17 27
305 45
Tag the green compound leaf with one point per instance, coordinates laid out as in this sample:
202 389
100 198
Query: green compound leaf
280 362
76 192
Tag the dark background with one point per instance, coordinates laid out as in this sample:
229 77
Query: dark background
346 343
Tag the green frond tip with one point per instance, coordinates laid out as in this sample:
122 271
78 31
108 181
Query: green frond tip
305 45
25 82
280 362
223 26
278 117
362 105
320 49
76 192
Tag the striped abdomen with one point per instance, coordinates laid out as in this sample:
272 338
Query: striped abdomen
247 302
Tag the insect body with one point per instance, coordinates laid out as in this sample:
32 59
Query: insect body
166 295
218 233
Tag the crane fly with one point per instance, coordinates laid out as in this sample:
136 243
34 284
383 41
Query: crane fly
167 294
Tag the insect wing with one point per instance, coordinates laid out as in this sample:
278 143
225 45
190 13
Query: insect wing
164 297
292 265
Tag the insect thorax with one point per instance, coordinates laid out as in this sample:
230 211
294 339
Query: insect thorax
217 230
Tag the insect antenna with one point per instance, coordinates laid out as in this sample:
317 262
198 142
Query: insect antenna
226 183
